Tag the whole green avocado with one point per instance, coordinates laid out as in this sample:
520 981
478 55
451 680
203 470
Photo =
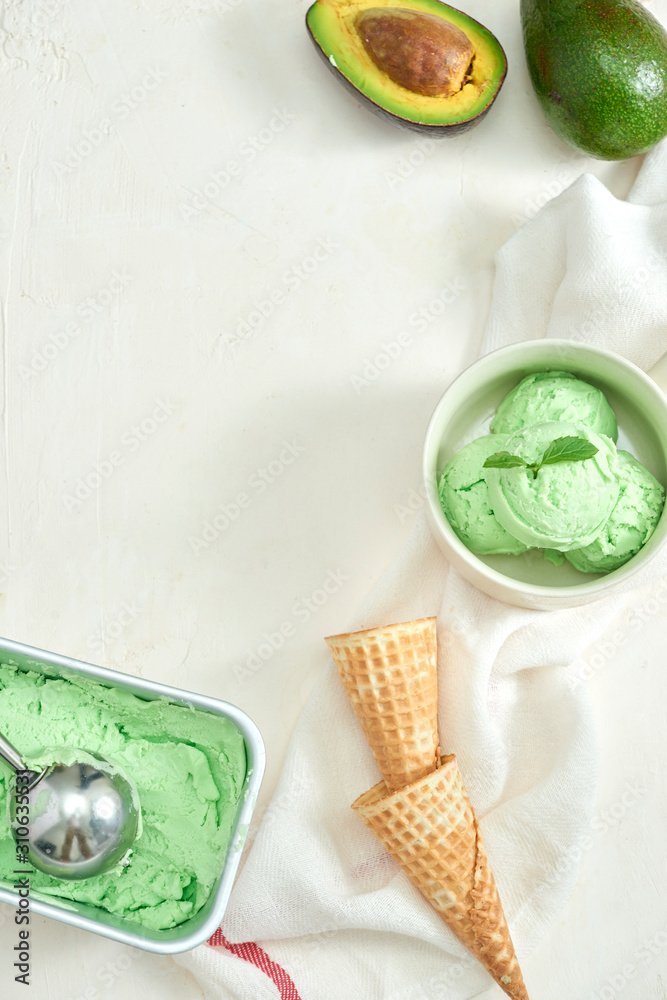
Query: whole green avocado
599 69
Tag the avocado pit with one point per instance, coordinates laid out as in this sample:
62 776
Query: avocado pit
423 53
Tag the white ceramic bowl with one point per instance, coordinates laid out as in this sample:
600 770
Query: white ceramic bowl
465 412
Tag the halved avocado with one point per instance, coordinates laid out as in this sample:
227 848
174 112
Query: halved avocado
424 65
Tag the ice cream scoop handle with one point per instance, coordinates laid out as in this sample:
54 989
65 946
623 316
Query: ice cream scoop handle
9 754
659 373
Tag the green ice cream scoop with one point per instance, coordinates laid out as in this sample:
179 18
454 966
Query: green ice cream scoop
545 396
566 504
464 498
630 524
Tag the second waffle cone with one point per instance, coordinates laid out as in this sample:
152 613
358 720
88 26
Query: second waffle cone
430 828
390 676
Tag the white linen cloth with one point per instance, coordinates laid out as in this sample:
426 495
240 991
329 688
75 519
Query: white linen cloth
318 891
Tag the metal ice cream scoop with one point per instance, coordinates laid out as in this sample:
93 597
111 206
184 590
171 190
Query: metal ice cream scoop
77 820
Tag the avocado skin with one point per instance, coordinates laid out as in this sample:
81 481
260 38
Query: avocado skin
445 128
450 128
599 70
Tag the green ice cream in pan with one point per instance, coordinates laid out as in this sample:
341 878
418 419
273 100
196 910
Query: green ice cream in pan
188 766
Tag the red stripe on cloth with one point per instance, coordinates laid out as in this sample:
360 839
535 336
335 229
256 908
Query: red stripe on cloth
251 952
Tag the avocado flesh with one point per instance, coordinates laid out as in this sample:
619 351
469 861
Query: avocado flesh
599 70
334 29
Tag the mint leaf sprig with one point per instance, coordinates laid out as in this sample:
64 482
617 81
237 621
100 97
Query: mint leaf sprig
563 449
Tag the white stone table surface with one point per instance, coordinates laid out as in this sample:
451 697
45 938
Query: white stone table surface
221 277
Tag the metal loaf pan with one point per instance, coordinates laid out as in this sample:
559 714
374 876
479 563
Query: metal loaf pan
203 924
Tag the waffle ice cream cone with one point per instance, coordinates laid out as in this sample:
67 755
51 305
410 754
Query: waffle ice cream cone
389 674
430 828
